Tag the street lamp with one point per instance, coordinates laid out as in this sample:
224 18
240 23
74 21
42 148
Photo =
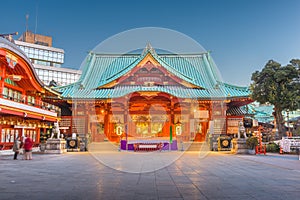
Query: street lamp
119 133
288 121
178 133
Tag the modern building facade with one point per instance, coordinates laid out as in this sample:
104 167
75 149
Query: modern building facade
151 96
46 59
25 102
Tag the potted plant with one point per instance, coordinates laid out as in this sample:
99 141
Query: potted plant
251 143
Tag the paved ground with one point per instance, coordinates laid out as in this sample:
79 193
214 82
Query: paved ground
190 176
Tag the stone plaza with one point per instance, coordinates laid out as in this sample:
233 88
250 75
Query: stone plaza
210 175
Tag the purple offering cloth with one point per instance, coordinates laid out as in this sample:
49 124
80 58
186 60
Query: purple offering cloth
165 146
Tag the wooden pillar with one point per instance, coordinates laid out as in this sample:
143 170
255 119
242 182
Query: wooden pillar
106 121
2 74
171 116
38 135
126 112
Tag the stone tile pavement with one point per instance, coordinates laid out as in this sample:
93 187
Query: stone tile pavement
189 176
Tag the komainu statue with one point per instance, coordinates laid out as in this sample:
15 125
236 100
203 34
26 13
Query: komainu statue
55 131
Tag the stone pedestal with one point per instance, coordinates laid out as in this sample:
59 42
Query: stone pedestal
55 146
239 146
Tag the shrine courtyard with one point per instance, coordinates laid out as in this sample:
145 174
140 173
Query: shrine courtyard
214 176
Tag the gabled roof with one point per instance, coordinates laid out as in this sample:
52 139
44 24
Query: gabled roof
23 66
262 113
196 69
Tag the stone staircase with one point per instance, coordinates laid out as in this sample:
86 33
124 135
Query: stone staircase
194 146
103 146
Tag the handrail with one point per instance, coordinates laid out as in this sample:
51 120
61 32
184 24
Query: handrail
37 103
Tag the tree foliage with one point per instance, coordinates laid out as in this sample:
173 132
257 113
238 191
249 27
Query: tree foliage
278 85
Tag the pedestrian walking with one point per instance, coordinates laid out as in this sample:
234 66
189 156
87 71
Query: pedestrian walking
16 147
28 148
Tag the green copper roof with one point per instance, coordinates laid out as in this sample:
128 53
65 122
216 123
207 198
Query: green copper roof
197 69
76 92
262 113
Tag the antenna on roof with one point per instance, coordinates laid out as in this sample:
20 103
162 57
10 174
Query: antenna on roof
27 17
36 21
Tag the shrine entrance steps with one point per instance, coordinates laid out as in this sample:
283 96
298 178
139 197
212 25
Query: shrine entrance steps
112 146
192 146
103 146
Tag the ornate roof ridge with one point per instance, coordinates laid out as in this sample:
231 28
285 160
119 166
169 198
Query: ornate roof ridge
139 54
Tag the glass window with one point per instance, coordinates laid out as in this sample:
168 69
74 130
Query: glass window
56 65
10 93
5 92
50 74
29 99
15 95
19 96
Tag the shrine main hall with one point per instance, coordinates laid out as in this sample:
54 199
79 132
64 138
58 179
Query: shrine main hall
150 96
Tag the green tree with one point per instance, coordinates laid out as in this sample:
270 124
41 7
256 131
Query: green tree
279 86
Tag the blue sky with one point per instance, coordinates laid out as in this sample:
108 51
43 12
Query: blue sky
242 35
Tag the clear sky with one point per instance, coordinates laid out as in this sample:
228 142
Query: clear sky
242 35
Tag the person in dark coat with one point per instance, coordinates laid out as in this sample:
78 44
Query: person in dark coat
16 147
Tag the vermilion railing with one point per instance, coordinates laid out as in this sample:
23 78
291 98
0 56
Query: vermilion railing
35 103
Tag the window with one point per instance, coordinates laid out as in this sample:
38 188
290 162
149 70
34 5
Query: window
30 100
15 93
10 93
56 65
5 92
